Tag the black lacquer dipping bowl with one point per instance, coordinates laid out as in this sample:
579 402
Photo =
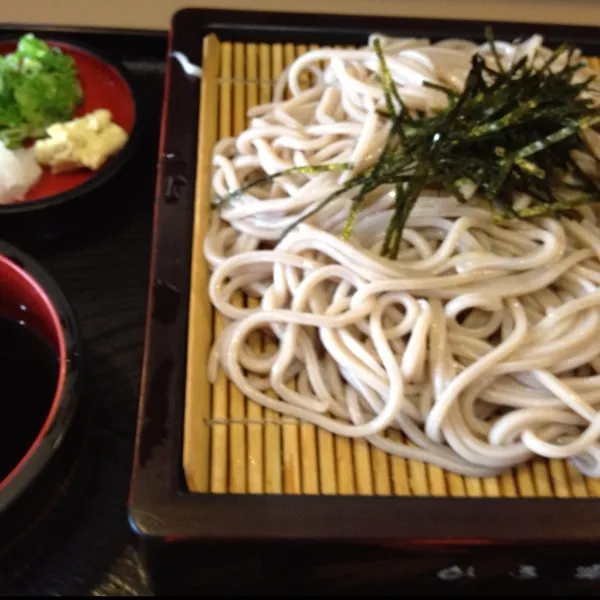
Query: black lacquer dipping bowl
40 385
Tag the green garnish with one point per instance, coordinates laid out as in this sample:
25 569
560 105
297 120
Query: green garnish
509 131
38 87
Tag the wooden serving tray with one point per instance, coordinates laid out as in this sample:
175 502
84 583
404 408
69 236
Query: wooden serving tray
211 465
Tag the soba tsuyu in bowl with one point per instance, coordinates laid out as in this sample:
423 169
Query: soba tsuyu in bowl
40 377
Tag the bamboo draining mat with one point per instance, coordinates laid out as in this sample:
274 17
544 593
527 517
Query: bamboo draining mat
232 445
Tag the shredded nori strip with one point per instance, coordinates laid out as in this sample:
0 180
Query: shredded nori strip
509 131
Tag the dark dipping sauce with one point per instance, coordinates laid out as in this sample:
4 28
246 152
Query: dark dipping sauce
29 369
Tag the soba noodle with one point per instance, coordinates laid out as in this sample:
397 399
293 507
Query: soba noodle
480 342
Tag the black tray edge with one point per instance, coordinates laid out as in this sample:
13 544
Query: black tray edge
160 508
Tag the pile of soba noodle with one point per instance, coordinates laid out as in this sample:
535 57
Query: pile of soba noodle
480 342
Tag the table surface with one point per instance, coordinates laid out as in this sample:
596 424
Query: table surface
104 274
156 14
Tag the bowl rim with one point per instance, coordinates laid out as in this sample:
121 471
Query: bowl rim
112 167
66 399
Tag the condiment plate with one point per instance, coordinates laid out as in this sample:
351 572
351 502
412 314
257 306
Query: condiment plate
60 203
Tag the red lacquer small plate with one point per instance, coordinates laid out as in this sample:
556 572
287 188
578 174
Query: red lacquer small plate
103 87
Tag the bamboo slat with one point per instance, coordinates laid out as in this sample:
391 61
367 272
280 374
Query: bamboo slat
256 432
199 439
